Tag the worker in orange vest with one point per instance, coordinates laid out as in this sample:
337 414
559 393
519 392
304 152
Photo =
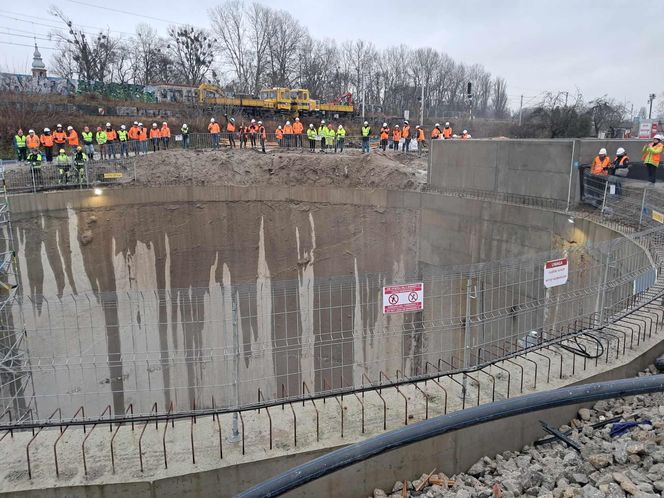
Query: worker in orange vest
447 131
405 134
279 135
396 138
244 131
72 139
652 155
298 130
262 135
59 138
111 140
230 131
46 140
436 133
601 163
32 141
134 134
288 134
421 139
620 163
214 130
143 138
155 135
165 134
384 136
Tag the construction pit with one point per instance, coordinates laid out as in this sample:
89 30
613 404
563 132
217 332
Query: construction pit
228 312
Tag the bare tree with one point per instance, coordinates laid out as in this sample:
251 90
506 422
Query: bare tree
147 49
606 114
192 52
499 98
229 23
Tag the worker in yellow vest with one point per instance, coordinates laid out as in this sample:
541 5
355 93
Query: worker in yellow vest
341 135
652 154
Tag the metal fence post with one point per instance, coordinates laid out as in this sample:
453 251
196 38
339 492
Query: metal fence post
643 205
606 187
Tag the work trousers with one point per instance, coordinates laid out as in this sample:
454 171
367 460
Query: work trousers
298 140
89 150
406 144
22 153
48 152
155 144
287 141
339 144
215 140
252 139
365 144
262 140
165 141
102 151
383 144
312 144
231 139
110 147
243 140
185 141
652 173
124 148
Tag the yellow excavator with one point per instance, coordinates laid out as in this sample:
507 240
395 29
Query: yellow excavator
285 100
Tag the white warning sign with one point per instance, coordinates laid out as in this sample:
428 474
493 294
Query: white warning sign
556 272
403 298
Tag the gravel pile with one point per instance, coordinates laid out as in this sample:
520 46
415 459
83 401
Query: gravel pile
630 464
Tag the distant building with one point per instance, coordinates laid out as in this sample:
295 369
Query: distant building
172 92
38 66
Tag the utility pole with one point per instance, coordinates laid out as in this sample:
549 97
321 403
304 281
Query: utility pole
362 97
651 97
422 107
566 97
521 110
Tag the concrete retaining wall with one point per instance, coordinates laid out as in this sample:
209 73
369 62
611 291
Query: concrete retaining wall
541 168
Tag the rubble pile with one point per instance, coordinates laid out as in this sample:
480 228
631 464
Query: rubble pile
621 444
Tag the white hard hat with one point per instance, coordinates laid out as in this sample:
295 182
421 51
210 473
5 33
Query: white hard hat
280 127
469 136
58 125
659 137
297 119
311 125
164 123
154 125
620 151
31 131
185 125
405 121
123 127
465 132
287 122
253 120
437 125
70 127
140 124
322 121
384 124
46 130
447 123
396 126
233 119
340 126
455 136
260 122
602 151
108 125
211 120
366 123
417 126
136 122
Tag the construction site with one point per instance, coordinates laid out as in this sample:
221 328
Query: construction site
246 253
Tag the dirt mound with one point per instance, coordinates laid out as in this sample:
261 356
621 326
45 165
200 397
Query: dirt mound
248 167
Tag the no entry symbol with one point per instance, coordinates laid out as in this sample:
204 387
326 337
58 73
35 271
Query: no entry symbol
412 297
393 299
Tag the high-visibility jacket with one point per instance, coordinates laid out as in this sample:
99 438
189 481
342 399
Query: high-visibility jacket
80 158
341 132
298 128
366 131
652 153
329 136
252 129
165 131
46 140
154 133
279 133
214 128
435 133
621 161
19 140
396 134
59 137
111 135
311 133
384 133
322 131
101 137
464 136
230 127
32 141
72 139
447 132
288 129
599 165
35 160
420 135
143 134
87 137
405 133
62 160
184 131
134 133
262 132
123 135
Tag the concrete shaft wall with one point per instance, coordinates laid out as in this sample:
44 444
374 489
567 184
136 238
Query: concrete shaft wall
541 168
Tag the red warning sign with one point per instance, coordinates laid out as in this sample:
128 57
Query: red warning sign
403 298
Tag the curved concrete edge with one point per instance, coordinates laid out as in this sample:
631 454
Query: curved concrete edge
450 453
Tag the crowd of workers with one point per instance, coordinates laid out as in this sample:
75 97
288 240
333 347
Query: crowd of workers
107 142
652 154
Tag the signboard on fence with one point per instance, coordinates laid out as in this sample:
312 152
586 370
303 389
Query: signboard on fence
403 298
556 272
657 216
647 128
108 176
178 138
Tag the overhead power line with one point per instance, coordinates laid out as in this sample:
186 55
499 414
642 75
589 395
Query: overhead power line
26 45
142 16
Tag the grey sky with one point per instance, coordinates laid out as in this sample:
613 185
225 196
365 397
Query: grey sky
600 47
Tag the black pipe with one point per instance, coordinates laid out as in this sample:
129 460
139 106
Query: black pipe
426 429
